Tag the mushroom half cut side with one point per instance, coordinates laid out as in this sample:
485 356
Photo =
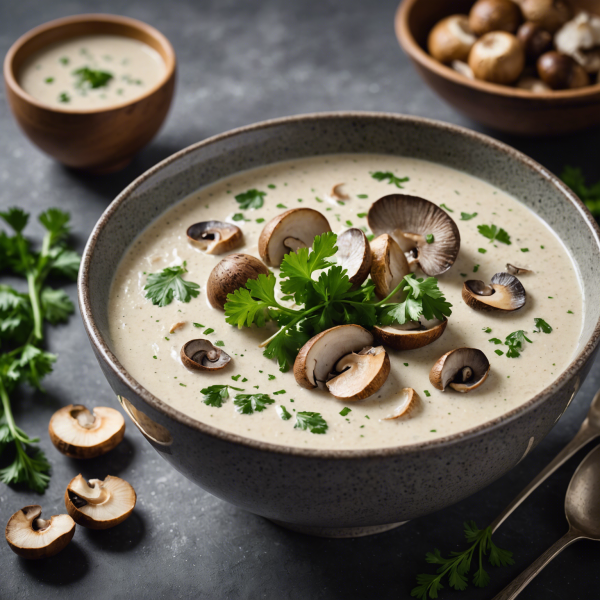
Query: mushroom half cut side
505 292
388 266
411 335
30 536
79 433
202 355
354 255
463 369
215 237
342 361
98 504
288 232
426 233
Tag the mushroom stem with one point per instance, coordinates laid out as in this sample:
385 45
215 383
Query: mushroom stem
294 244
84 417
466 373
92 492
41 524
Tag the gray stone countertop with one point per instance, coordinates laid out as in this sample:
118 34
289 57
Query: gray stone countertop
242 62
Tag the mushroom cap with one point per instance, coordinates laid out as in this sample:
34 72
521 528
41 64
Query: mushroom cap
215 237
506 292
99 504
29 536
408 401
497 57
318 357
388 266
451 39
401 216
360 374
77 433
494 15
560 71
533 85
300 225
450 366
201 355
354 255
232 273
548 14
408 339
534 39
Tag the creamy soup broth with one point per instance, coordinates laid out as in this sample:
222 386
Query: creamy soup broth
55 75
142 342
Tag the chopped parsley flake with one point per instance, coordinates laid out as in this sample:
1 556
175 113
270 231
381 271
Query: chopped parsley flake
487 329
260 220
279 393
235 377
283 413
198 325
251 199
392 179
475 268
361 215
238 217
362 196
91 78
446 208
311 421
429 238
494 234
208 331
515 342
524 249
426 392
271 186
541 326
495 341
281 205
345 411
467 216
64 97
271 377
481 250
499 352
570 312
49 80
63 60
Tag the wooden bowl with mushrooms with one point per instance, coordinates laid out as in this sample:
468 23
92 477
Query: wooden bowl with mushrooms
509 47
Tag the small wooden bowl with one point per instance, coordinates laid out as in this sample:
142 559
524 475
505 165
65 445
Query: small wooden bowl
99 139
498 106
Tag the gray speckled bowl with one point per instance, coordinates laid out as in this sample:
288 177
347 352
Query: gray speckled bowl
327 492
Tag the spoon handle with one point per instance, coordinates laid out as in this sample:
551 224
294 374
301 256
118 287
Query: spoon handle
584 435
513 589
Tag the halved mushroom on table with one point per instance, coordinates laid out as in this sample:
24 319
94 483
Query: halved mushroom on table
202 355
343 361
411 335
426 234
79 433
30 536
354 255
463 369
215 237
98 504
288 232
505 292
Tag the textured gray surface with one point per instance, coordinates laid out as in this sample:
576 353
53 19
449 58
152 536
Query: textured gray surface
241 62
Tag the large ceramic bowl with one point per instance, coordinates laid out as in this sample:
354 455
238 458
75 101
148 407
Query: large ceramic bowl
344 492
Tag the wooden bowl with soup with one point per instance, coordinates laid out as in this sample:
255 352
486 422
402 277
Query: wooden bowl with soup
368 425
91 90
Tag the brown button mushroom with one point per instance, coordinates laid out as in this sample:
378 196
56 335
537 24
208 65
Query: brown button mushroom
451 39
497 57
494 15
343 361
98 504
294 229
215 237
504 293
411 335
30 536
535 40
201 355
424 231
354 255
79 433
463 369
533 85
388 266
230 274
561 72
408 401
463 68
548 14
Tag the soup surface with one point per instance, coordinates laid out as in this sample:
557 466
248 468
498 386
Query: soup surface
142 341
91 72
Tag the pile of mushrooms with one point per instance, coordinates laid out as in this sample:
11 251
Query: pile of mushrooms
536 45
343 361
505 292
462 369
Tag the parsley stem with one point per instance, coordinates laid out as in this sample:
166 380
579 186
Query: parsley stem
34 296
391 294
301 316
10 420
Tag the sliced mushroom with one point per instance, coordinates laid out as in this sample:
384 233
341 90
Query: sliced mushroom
294 229
354 255
232 273
201 355
176 326
417 335
497 57
561 72
215 237
548 14
99 504
451 39
79 433
388 266
333 350
513 270
337 193
30 536
409 220
463 369
535 40
408 400
504 293
494 15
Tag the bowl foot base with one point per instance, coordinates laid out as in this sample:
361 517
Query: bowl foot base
338 532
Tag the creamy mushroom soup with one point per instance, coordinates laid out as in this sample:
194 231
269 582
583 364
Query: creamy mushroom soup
92 72
148 345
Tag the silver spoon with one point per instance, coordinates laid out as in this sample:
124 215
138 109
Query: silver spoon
582 506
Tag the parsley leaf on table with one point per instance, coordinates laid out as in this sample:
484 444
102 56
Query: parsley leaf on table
590 195
541 326
215 395
162 287
494 234
251 199
311 421
392 179
250 403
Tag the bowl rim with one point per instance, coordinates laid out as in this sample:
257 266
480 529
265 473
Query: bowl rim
10 77
409 44
106 355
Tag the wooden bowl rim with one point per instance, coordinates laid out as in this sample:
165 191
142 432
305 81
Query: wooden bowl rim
413 49
10 79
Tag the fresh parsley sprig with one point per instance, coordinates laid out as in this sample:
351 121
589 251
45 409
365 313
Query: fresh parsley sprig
457 567
162 287
494 234
250 199
215 395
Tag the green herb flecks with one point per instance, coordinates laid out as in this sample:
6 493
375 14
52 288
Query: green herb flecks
345 411
251 199
516 343
283 413
215 395
494 234
87 78
467 216
49 80
392 179
64 97
446 208
429 238
250 403
162 287
311 421
541 326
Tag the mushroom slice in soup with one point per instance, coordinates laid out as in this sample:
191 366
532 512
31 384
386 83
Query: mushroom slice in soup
215 237
505 292
354 255
202 355
463 369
